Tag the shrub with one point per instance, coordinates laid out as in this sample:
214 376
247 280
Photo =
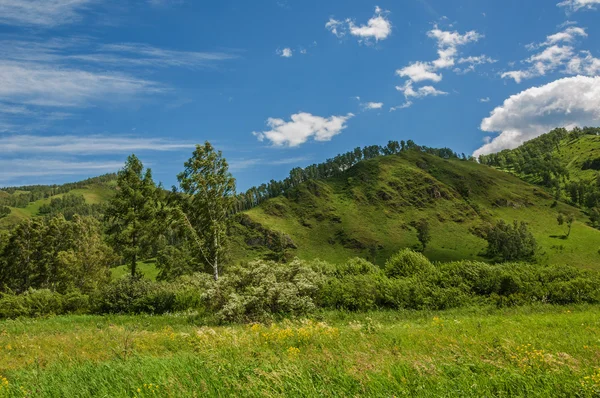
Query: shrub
133 296
34 303
260 290
508 242
408 263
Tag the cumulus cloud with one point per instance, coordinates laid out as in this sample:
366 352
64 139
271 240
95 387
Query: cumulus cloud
43 13
377 28
419 72
568 102
576 5
301 128
285 53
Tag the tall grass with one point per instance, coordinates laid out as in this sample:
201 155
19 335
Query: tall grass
541 351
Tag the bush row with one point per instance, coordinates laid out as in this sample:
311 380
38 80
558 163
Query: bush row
261 290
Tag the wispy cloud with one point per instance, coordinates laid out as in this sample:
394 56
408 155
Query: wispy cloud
42 13
15 169
88 145
556 53
576 5
448 44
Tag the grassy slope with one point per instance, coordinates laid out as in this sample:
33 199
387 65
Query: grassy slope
374 203
573 153
93 194
521 352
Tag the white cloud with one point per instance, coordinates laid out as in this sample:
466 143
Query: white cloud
405 105
425 91
576 5
372 105
76 145
16 169
568 35
555 56
377 28
45 13
448 43
549 60
45 85
584 64
285 53
486 99
76 71
568 102
301 128
338 28
419 72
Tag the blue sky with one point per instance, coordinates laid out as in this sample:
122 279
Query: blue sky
277 84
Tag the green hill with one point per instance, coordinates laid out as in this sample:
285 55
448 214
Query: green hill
25 202
369 211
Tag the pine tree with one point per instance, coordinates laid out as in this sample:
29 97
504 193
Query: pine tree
131 212
208 197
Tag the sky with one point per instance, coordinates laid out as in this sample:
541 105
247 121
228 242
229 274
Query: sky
277 84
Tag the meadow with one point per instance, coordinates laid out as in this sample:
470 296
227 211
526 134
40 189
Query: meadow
530 351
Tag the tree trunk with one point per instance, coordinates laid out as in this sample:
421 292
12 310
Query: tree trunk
216 259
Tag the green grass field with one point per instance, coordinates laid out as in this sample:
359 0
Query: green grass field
540 351
147 268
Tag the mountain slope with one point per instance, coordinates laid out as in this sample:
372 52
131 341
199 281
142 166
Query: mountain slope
369 210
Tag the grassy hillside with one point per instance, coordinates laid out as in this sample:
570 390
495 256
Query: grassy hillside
94 193
574 152
517 352
370 210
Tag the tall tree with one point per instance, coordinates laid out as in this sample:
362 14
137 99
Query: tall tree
131 212
208 196
568 219
423 232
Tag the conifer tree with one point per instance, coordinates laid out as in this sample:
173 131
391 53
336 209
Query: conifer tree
131 212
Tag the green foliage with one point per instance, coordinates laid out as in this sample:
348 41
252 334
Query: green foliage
566 219
132 211
408 263
508 242
4 211
423 232
34 303
207 200
261 290
55 254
